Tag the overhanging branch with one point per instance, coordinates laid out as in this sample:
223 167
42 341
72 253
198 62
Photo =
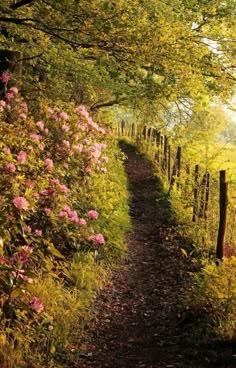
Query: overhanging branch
21 3
98 105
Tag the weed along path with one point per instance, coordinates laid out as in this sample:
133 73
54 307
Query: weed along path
139 314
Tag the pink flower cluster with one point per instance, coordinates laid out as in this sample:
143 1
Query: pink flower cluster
21 275
10 168
22 157
72 216
36 304
48 163
22 257
36 137
93 215
82 110
64 116
5 77
14 90
21 203
97 239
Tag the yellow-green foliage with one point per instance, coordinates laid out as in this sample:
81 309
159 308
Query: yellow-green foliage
214 291
56 250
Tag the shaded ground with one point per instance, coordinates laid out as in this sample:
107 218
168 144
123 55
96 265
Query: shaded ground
140 319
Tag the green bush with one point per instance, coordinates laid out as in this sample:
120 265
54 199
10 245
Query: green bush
64 214
214 294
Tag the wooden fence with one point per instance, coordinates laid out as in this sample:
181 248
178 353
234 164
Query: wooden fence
169 164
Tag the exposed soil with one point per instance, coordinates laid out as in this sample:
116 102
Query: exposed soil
140 316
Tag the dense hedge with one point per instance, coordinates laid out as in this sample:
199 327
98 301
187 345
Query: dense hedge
63 217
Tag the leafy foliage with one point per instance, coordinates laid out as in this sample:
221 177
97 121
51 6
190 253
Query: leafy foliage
63 216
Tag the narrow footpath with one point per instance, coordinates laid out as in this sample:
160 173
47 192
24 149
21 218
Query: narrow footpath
139 315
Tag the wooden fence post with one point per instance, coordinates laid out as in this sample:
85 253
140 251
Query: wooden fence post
145 132
158 143
132 130
122 127
207 195
195 193
201 213
178 164
176 170
165 149
222 215
169 163
161 151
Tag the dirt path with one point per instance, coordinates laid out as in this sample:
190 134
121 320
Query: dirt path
139 314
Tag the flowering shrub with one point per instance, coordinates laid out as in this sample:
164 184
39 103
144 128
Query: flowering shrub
56 195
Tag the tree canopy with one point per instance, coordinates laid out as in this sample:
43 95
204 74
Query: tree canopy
130 52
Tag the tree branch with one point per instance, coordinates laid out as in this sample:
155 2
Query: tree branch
98 105
21 3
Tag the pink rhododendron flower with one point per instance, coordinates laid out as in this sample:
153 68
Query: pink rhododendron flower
9 96
38 232
54 182
14 90
48 163
63 188
54 117
46 131
20 274
26 278
67 209
64 115
2 103
5 77
50 110
40 125
103 170
81 221
22 157
66 143
22 257
87 170
63 214
41 146
66 165
2 260
21 203
23 116
7 150
47 211
10 168
24 107
103 145
36 137
27 249
93 214
82 110
36 304
81 127
65 128
29 184
73 216
97 239
27 229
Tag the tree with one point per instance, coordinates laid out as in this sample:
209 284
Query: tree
124 52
